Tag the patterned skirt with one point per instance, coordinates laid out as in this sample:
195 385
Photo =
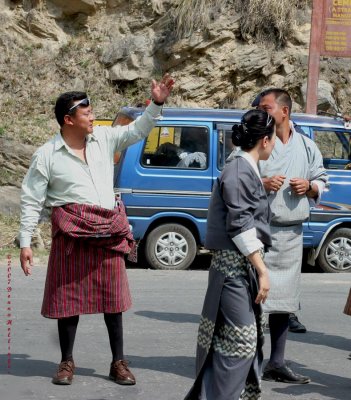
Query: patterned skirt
230 338
284 260
88 280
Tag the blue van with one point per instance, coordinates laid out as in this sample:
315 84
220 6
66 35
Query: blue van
166 180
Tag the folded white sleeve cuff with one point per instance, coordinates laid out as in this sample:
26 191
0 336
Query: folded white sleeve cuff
247 242
321 187
154 110
25 240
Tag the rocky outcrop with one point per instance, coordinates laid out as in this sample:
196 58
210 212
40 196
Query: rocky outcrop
42 28
14 161
129 57
326 99
132 41
77 6
10 200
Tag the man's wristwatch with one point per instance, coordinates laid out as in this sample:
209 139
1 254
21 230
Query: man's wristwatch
157 103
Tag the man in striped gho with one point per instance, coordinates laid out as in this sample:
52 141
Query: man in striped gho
294 179
72 174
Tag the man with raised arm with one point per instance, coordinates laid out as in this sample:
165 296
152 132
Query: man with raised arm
72 174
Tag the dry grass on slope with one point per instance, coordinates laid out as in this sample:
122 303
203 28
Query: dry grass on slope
29 88
9 228
269 21
191 15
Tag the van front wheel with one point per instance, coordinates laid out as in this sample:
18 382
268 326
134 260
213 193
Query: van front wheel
170 246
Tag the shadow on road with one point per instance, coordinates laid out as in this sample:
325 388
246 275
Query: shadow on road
329 386
178 365
24 366
322 339
171 317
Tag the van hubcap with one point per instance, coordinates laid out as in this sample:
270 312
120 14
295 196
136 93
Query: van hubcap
171 248
338 254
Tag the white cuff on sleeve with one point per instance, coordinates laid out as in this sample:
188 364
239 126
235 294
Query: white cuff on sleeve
25 241
321 187
154 110
247 242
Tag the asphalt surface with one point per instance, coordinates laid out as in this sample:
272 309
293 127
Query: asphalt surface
160 335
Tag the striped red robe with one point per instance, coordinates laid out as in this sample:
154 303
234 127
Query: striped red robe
86 270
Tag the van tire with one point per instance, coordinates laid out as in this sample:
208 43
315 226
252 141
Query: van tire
170 246
329 258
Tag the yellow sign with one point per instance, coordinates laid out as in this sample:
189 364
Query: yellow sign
102 122
336 28
158 136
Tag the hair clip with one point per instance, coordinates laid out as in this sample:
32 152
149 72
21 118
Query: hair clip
269 120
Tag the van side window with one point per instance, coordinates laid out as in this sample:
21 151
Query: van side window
225 147
335 148
177 147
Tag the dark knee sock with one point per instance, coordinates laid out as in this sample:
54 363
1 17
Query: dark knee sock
67 328
115 333
278 326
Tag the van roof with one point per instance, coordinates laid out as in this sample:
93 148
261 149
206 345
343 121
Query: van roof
229 115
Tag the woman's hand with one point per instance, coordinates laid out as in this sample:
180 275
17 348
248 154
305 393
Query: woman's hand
263 280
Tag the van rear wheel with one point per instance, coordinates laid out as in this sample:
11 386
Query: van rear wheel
335 253
170 246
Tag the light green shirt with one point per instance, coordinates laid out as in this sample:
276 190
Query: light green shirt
57 176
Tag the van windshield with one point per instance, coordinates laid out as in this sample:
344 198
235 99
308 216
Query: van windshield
118 159
335 146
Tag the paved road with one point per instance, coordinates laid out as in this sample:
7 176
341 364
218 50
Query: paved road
160 334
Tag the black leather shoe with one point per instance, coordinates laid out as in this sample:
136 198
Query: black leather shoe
283 374
295 325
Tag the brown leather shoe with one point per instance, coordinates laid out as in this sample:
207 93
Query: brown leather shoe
64 374
120 373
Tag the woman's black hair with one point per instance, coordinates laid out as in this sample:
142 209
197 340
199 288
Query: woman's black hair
255 124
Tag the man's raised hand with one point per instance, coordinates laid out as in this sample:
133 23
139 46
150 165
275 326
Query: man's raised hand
161 90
